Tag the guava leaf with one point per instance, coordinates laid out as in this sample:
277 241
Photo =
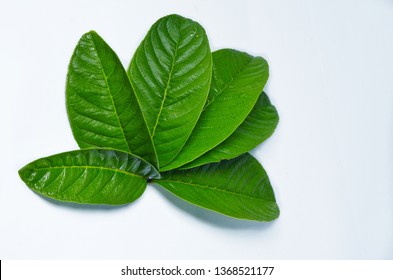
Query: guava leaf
102 108
92 176
238 188
256 128
238 80
171 74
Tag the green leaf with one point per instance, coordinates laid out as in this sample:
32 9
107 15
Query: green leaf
171 73
238 80
89 176
238 188
101 105
256 128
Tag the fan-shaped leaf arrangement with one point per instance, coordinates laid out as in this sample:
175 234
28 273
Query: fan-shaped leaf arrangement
180 116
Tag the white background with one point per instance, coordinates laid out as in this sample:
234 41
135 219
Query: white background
330 160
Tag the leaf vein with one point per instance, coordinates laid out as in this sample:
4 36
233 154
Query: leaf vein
210 188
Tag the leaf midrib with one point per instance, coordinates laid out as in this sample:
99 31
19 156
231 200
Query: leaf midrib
229 83
111 97
212 188
166 89
88 167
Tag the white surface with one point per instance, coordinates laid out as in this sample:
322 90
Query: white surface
330 160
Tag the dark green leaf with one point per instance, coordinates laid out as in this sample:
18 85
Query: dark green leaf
89 176
171 73
238 188
101 105
256 128
238 80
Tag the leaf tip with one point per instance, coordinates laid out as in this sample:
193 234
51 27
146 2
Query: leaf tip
25 172
90 36
275 213
174 17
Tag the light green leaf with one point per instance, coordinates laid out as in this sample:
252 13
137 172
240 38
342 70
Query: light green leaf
89 176
256 128
171 73
238 188
101 105
238 80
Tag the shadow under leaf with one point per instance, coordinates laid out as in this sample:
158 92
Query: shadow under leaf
211 217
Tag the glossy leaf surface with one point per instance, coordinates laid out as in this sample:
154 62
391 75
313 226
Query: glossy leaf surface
102 108
89 176
237 81
256 128
171 73
238 188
